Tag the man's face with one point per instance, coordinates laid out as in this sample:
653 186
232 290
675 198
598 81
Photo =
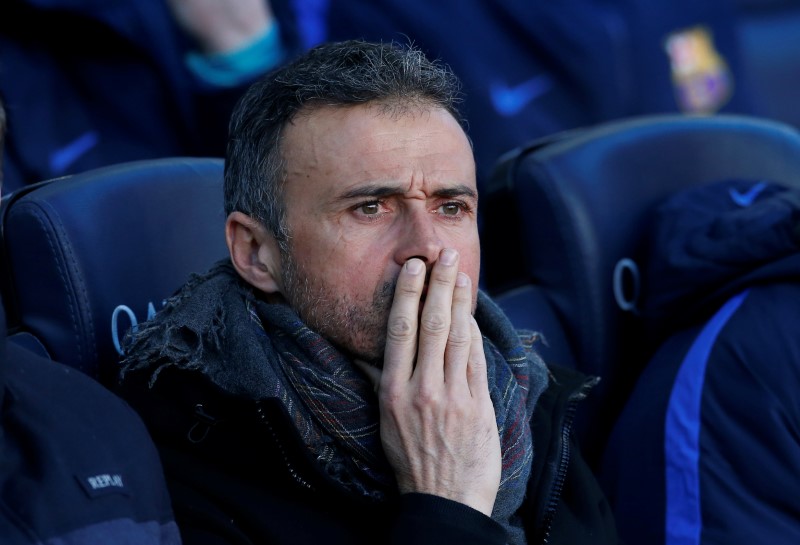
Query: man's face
366 190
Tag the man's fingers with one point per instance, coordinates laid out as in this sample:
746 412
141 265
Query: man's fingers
476 368
458 342
437 422
435 320
401 329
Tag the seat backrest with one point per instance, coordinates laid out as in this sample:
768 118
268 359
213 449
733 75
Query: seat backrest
567 214
769 38
87 256
529 308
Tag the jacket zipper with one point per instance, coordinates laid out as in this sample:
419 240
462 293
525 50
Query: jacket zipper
203 424
563 464
287 463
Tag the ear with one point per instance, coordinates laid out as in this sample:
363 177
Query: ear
254 252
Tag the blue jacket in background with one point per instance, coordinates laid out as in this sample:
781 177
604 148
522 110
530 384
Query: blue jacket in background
124 92
89 83
530 69
76 463
707 450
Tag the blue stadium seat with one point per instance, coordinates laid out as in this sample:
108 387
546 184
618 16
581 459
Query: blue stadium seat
86 256
769 37
566 215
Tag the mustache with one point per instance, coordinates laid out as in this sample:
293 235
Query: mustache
387 290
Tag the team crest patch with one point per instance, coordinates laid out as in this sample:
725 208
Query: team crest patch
701 77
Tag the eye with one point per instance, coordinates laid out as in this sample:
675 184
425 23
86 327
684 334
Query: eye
452 208
370 208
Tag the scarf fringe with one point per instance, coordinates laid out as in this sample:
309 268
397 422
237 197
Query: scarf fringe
160 343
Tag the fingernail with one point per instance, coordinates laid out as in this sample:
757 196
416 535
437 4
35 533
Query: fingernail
448 256
462 280
414 266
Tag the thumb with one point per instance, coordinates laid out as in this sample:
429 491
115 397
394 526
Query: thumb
372 373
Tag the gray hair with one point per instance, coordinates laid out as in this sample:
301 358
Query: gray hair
335 74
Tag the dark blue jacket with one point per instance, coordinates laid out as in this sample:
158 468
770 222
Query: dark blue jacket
531 68
707 450
76 464
89 83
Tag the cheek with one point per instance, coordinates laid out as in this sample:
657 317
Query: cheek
342 240
470 257
472 268
349 268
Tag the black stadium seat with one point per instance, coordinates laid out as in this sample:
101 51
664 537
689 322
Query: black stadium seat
87 256
565 217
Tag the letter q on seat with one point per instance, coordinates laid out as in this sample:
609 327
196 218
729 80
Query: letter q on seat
568 214
86 257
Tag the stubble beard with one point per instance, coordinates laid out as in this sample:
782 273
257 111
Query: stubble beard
356 327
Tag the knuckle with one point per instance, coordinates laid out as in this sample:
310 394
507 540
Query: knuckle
458 340
461 409
390 399
426 399
440 280
407 289
400 328
435 322
477 364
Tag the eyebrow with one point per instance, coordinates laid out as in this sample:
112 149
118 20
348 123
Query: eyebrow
378 191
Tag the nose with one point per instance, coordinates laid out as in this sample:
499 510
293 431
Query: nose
418 238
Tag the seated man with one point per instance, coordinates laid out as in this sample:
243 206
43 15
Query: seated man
341 379
76 463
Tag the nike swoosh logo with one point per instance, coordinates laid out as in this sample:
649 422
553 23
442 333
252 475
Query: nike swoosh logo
510 100
748 197
62 158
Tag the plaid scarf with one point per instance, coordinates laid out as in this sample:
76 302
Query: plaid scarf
217 325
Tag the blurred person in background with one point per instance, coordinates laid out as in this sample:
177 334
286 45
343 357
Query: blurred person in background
532 69
90 83
159 78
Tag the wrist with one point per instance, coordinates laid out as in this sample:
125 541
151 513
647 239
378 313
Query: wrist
236 67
